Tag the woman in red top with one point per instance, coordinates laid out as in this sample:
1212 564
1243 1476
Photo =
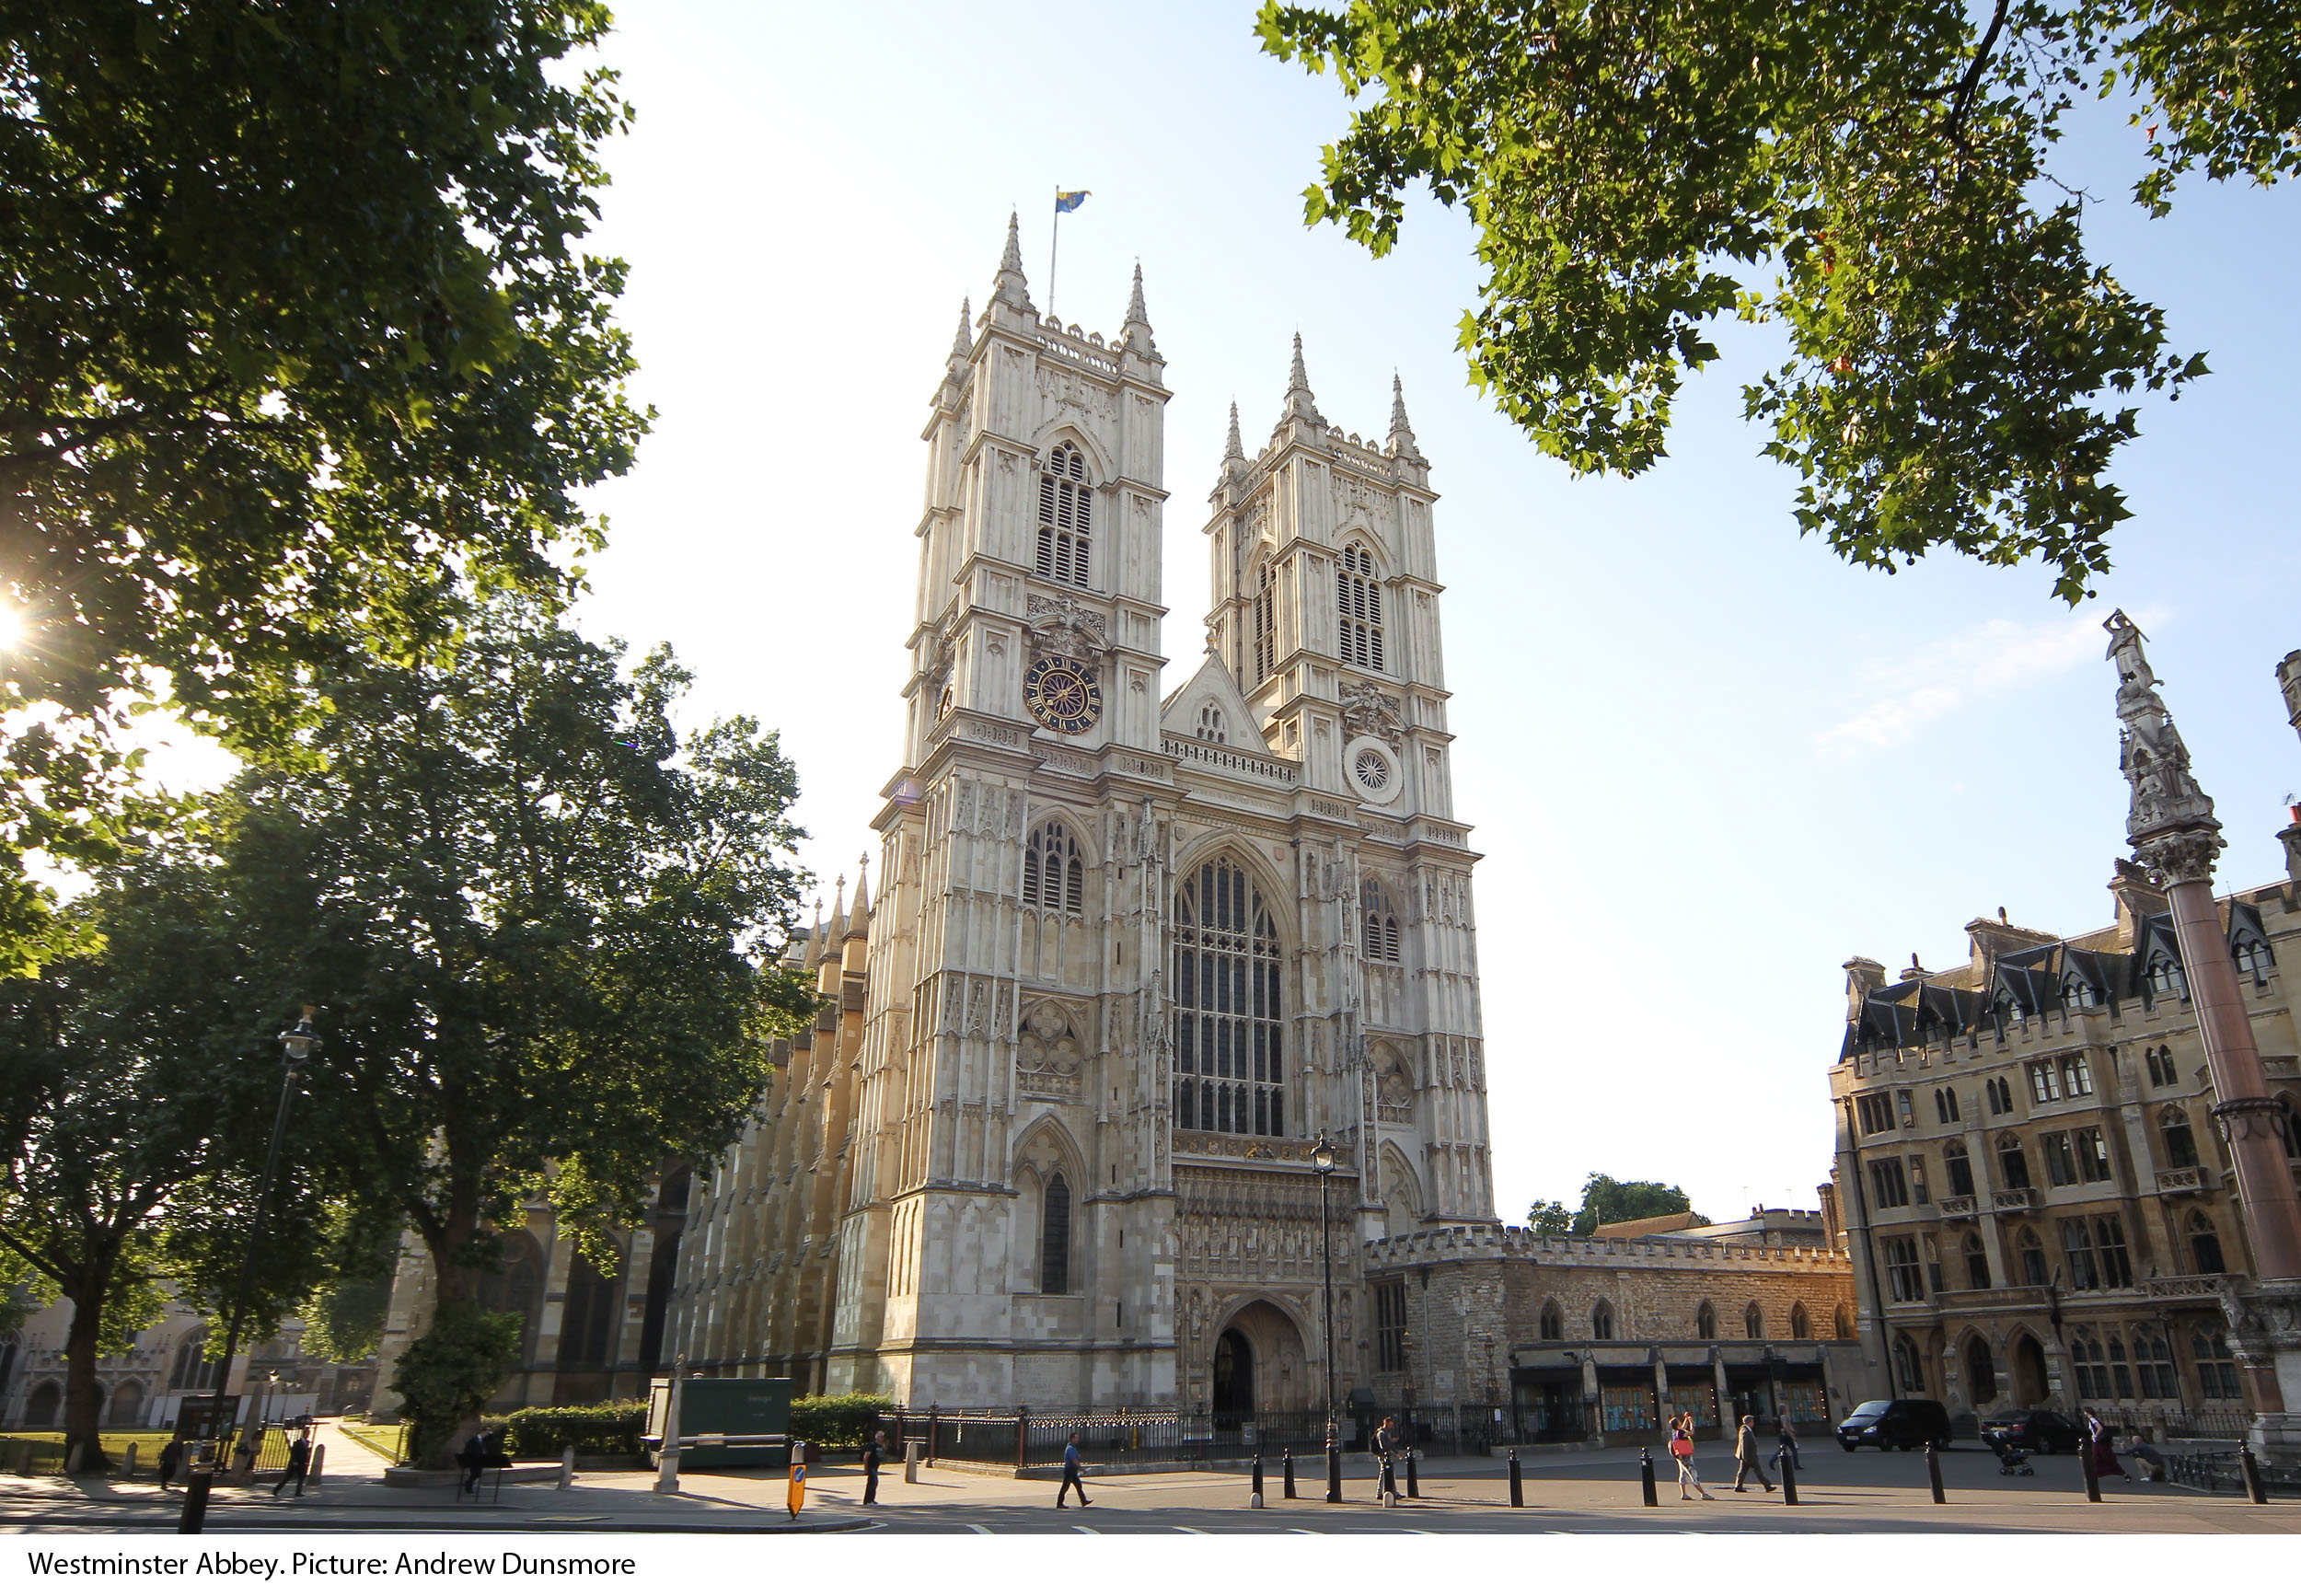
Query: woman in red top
1681 1447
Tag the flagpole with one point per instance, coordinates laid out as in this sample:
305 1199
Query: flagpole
1054 240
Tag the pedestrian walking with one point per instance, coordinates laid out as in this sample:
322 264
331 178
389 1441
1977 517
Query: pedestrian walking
874 1454
171 1459
1786 1444
1746 1453
1070 1474
299 1464
1385 1444
2104 1446
1682 1449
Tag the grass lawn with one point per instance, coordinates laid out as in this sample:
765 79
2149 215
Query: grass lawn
380 1438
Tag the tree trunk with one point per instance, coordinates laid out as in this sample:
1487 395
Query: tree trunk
83 1398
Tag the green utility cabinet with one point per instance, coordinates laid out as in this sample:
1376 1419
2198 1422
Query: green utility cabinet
709 1408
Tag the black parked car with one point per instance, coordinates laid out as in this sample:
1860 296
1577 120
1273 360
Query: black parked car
1906 1423
2032 1429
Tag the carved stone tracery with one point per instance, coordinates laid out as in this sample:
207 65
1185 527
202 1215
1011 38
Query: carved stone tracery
1370 712
1061 625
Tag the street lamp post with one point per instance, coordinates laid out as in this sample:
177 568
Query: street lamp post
1323 1160
296 1047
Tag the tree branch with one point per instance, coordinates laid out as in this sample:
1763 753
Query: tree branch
1971 81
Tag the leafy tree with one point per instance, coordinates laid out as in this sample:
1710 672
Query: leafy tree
1550 1218
297 322
1606 1201
1960 370
344 1321
541 930
134 1100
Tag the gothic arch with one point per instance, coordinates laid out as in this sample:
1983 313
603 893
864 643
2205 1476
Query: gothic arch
1359 527
1277 1372
123 1406
1054 433
1046 1147
1401 1193
1251 854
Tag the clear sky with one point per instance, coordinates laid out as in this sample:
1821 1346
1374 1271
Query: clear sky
1706 763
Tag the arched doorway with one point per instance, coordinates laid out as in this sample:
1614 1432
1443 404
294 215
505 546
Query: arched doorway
2029 1383
1980 1373
1233 1373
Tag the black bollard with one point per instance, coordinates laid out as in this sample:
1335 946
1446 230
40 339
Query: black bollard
1414 1480
1646 1476
2255 1492
196 1488
2085 1466
1256 1500
1933 1471
1518 1483
1334 1473
1289 1473
1789 1479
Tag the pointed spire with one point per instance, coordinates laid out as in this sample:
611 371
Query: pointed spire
1301 405
1232 448
1136 334
1401 431
963 345
838 916
1135 310
1011 290
859 922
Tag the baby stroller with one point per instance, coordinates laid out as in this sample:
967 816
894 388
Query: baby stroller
2011 1459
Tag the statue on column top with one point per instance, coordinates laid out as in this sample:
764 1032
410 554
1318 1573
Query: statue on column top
2171 823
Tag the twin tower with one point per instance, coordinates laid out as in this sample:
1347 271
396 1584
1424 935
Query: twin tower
1051 1141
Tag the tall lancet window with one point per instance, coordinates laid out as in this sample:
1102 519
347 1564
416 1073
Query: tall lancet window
1053 876
1265 628
1054 1238
1382 925
1065 516
1228 1065
1359 599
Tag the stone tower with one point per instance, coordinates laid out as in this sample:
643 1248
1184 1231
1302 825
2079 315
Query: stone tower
1130 952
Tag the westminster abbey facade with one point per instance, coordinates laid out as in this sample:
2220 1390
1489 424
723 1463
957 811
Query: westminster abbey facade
1134 944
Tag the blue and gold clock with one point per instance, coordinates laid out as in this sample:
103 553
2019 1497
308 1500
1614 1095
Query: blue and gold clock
1062 694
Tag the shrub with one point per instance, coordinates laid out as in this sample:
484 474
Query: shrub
835 1421
446 1377
606 1428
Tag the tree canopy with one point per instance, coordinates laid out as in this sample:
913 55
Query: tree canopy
297 325
542 929
1606 1201
1873 175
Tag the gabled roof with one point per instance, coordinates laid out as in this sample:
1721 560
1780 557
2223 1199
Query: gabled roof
1241 727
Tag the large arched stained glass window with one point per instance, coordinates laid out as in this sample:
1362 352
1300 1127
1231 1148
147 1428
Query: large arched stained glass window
1227 1061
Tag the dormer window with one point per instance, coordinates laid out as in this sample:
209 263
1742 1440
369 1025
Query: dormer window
2080 996
2165 976
2253 959
1210 728
1065 518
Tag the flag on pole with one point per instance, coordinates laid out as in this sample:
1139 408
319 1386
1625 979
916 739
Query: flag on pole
1070 201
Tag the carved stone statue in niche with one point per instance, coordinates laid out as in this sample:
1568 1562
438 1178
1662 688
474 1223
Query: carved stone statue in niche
1370 712
1061 625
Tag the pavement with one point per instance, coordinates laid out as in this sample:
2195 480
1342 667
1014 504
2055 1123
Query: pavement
1594 1493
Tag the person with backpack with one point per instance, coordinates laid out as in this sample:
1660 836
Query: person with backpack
1682 1449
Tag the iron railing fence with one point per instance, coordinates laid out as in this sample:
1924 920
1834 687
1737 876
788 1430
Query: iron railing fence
2220 1472
1026 1437
2223 1424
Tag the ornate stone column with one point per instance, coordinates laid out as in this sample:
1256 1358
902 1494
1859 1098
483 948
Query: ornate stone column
2175 835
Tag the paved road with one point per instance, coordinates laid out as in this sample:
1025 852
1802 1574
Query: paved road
1570 1493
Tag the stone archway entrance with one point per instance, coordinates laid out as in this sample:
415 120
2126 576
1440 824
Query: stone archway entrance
1259 1365
1233 1373
1981 1374
2030 1384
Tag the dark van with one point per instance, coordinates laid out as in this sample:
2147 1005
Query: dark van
1906 1423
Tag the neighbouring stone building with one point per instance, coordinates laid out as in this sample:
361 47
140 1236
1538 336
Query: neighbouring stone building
2040 1203
143 1386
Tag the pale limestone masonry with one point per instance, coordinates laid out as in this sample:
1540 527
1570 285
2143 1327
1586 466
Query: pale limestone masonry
1266 858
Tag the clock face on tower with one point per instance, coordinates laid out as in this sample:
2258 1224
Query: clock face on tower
1062 694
